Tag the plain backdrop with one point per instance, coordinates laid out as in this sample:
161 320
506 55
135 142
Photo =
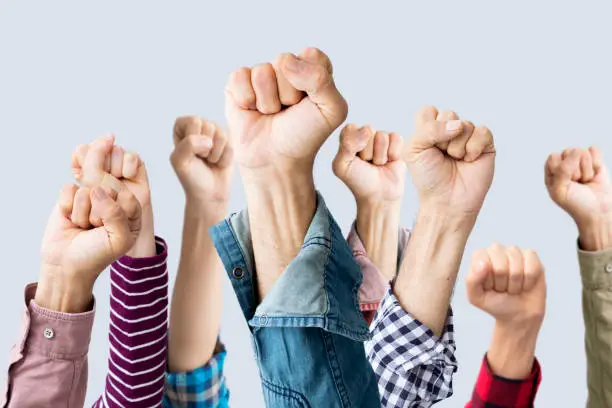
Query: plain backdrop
536 73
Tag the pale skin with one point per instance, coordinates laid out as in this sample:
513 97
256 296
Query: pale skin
102 163
452 164
278 116
203 161
370 164
75 251
578 181
509 284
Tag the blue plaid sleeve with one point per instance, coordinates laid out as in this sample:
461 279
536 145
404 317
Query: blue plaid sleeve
203 387
414 367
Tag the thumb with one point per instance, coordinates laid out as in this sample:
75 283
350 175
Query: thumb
436 132
97 160
479 271
352 141
318 83
115 222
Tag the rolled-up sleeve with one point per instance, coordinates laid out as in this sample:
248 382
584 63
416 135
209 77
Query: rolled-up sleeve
203 387
414 367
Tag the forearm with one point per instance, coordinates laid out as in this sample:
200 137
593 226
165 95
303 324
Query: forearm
512 351
144 246
280 209
429 269
196 304
377 226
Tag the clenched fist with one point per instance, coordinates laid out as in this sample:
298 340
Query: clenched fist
75 252
203 160
451 162
280 114
370 164
508 283
102 163
578 182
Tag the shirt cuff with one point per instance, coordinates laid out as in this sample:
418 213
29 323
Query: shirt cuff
498 391
204 386
149 262
55 334
401 342
596 268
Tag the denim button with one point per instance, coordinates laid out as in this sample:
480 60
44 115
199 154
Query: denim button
238 272
263 319
609 268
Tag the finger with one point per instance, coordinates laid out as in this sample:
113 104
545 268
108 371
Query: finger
318 57
98 160
241 89
534 270
425 115
288 95
219 144
553 169
130 165
185 126
111 185
445 115
65 203
114 220
457 146
479 143
367 153
586 167
381 145
193 145
117 162
570 167
396 145
82 208
435 132
499 261
516 267
353 139
318 83
599 166
266 89
78 158
476 281
129 204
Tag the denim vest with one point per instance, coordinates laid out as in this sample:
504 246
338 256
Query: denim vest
308 332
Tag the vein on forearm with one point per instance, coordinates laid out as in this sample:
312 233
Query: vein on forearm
428 272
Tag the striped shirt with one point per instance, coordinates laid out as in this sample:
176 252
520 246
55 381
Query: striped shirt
137 332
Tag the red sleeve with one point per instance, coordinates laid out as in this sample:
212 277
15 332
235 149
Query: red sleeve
493 391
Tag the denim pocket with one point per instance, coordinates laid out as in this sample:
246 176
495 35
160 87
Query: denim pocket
281 397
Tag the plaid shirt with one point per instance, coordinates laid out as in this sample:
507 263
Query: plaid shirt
492 391
414 367
203 387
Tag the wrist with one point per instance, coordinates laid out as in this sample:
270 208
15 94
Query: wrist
61 293
144 246
211 212
512 351
595 234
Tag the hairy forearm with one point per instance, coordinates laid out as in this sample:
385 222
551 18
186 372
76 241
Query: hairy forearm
281 207
428 272
512 351
195 315
64 294
377 226
145 247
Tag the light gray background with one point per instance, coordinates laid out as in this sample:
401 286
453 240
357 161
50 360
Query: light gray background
537 73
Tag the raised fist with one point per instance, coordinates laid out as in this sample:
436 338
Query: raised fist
73 250
102 163
202 159
578 181
451 162
370 164
280 114
508 283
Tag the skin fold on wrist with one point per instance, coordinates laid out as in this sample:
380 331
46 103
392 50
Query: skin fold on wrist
61 293
595 235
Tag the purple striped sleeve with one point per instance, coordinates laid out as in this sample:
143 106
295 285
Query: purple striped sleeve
137 333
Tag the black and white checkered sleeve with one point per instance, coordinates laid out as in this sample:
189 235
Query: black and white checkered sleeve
414 367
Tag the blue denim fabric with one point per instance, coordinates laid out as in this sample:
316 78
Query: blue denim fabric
308 332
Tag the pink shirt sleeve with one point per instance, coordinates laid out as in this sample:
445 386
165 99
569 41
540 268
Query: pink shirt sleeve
48 364
374 285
